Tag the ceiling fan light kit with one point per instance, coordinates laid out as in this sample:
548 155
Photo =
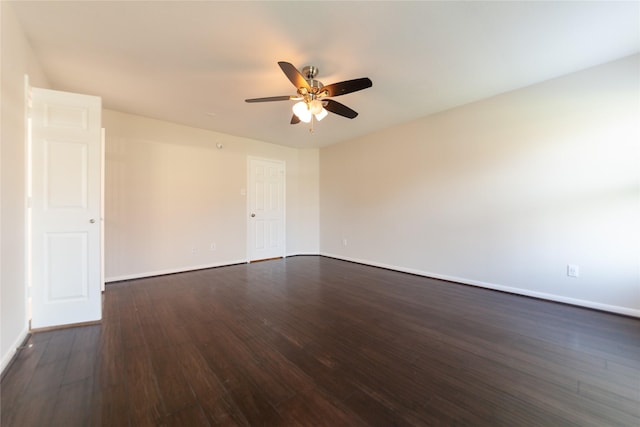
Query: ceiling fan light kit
313 96
307 110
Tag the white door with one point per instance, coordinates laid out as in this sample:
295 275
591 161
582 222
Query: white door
66 207
266 209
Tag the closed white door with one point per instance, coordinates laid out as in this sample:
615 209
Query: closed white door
66 206
266 226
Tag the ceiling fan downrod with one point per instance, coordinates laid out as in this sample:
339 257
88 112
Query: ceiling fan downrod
309 72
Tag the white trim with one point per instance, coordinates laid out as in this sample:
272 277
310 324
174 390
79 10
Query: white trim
102 195
519 291
28 181
302 254
14 348
172 271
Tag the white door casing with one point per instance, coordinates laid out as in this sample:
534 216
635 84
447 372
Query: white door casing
266 209
65 208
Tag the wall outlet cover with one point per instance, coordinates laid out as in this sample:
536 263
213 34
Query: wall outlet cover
573 270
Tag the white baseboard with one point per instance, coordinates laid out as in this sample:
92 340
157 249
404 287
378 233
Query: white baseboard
6 358
171 271
134 276
519 291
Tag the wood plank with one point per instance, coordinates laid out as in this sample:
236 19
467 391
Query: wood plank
174 389
145 402
110 406
73 404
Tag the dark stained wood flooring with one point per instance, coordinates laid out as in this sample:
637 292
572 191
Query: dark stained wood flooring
315 341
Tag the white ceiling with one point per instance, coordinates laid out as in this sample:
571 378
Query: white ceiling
194 63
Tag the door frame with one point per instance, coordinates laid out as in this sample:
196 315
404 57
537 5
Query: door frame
248 193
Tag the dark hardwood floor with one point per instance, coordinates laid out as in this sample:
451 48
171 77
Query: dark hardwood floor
315 341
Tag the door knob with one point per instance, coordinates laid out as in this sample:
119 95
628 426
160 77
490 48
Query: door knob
92 221
253 215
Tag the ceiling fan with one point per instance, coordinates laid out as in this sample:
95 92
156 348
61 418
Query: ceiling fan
313 96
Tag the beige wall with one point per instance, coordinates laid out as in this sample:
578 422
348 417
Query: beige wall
17 60
502 193
169 190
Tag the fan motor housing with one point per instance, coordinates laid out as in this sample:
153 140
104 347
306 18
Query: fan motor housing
315 83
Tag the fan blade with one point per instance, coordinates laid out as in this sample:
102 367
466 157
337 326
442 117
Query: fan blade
294 75
271 98
347 86
340 109
295 120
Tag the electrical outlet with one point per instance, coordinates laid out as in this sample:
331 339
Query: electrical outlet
573 270
344 241
194 249
212 247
